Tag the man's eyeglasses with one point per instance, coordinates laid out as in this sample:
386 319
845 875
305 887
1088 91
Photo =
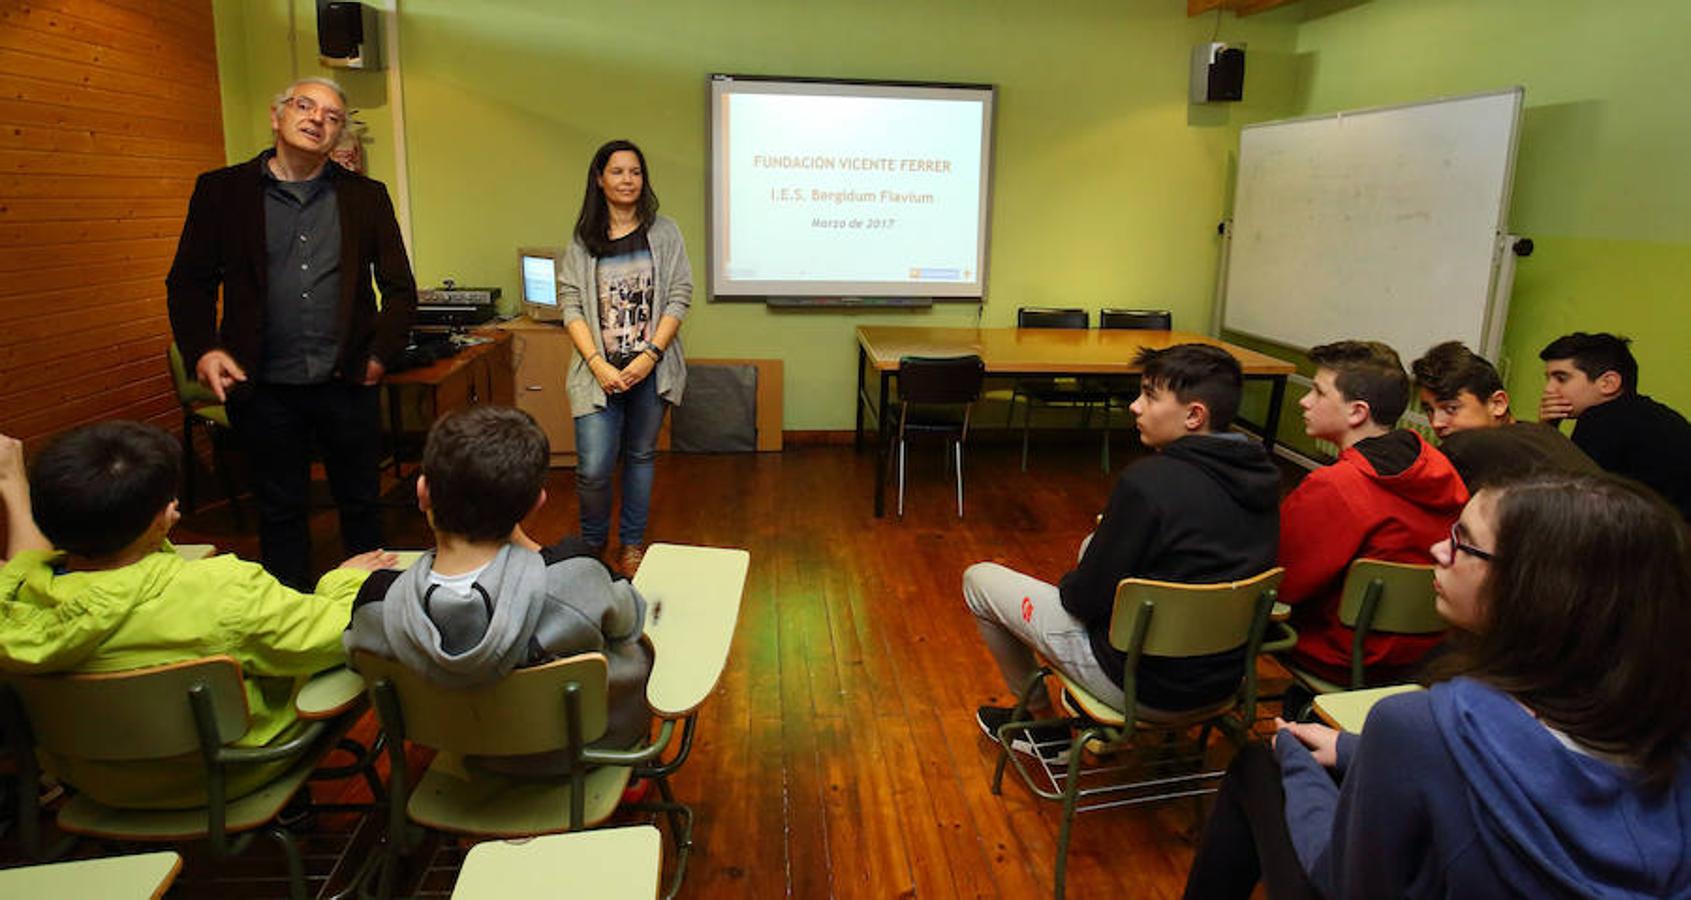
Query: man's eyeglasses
305 106
1457 545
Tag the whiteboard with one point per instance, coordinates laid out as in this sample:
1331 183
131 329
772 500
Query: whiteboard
1381 224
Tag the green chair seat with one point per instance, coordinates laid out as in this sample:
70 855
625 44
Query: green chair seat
509 806
81 815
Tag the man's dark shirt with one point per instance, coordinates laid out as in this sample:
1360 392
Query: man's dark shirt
302 230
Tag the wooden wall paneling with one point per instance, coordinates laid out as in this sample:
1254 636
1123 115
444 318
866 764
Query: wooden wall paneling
108 112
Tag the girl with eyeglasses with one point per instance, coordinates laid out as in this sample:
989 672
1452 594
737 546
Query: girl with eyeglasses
1549 758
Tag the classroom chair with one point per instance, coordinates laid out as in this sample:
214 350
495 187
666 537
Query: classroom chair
1122 390
607 864
164 714
1378 596
936 395
201 407
693 600
1060 392
1150 618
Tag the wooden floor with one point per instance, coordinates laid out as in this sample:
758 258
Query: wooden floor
839 756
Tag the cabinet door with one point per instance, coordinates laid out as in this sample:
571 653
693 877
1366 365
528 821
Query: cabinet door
542 356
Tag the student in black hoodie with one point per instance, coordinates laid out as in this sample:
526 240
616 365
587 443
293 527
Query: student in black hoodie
1203 509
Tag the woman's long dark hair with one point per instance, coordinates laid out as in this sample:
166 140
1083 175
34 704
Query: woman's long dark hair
593 225
1587 608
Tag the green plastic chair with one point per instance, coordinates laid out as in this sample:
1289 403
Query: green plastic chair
202 408
1157 619
1379 597
559 707
164 714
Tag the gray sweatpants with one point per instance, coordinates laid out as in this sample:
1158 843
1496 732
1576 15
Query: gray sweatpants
1019 615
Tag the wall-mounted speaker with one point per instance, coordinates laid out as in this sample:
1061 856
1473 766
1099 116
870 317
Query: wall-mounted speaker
1218 72
349 35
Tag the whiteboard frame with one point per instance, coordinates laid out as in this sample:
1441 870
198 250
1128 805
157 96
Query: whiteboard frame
1495 317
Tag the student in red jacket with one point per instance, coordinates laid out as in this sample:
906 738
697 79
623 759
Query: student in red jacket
1390 495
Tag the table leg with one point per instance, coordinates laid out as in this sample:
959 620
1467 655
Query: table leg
881 447
857 397
1271 423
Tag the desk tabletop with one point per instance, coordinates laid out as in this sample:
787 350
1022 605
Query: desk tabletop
1045 350
603 863
692 604
1347 710
441 369
138 875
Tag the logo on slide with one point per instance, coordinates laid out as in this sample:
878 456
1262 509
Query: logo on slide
1027 609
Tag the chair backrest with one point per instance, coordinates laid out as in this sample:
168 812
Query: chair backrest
519 714
940 379
1136 319
138 714
1404 599
1052 317
1190 619
189 391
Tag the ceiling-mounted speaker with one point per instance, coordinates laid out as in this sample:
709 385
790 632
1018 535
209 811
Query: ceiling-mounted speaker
349 35
1218 72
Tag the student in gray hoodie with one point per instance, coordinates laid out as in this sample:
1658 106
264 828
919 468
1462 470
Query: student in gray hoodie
488 599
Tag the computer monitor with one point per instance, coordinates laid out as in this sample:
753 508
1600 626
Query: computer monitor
538 269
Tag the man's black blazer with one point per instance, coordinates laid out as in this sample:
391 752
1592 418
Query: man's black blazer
223 242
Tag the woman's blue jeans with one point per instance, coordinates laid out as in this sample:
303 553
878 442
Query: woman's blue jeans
628 428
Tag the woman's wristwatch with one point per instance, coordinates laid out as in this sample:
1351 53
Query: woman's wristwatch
655 350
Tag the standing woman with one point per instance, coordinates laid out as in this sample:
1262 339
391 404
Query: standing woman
626 286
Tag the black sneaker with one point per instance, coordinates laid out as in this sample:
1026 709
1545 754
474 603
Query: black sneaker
1050 742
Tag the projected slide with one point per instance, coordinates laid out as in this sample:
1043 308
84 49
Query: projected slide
825 188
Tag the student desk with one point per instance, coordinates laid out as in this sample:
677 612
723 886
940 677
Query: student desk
1347 710
143 876
1031 352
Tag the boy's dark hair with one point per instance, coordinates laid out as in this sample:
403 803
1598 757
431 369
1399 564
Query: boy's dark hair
1450 368
485 468
96 488
1368 371
1196 373
1595 354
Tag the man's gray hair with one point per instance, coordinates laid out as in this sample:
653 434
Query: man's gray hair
318 80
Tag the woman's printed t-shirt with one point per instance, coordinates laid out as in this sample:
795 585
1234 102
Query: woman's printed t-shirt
627 296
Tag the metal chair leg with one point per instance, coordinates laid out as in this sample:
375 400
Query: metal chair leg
1027 423
901 479
958 450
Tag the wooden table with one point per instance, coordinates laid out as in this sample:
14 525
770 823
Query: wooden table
480 373
1031 352
1347 710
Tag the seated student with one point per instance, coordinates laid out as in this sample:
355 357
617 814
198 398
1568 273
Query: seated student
488 599
1201 510
1465 403
1388 496
1548 759
114 595
1594 378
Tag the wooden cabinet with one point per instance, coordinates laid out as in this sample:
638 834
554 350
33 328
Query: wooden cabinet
540 358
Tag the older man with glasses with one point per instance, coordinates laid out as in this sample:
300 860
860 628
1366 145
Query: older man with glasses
293 240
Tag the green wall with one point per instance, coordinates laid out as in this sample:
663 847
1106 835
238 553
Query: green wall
1108 184
1601 183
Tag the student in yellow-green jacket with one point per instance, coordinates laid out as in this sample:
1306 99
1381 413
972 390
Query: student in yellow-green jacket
90 584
